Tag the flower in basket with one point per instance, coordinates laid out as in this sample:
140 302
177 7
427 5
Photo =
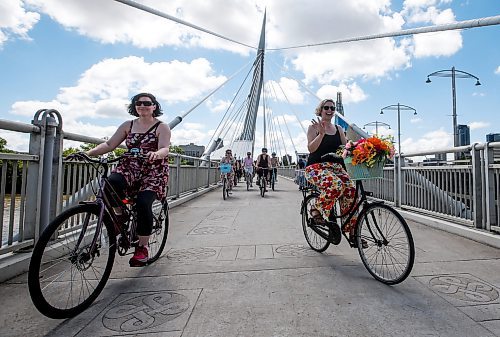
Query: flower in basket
368 151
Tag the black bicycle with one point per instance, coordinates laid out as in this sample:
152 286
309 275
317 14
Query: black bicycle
263 182
381 234
73 258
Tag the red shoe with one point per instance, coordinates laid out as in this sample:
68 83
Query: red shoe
140 257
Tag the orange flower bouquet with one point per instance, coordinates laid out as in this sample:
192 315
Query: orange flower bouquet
366 158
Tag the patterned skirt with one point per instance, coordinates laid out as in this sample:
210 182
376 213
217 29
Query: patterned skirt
334 184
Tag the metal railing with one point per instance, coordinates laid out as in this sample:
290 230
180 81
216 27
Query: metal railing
35 187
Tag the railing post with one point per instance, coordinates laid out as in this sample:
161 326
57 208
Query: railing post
476 185
178 176
397 182
33 180
196 173
48 194
489 187
209 167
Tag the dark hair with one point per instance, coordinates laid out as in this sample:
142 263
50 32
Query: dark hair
131 107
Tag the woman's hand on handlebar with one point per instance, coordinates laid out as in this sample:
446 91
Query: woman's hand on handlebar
76 156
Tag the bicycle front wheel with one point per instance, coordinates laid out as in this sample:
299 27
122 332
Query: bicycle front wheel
385 244
67 272
263 187
316 235
158 237
224 189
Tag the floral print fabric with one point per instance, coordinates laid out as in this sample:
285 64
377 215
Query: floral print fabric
333 183
140 173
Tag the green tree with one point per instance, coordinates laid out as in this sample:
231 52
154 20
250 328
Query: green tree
176 149
3 146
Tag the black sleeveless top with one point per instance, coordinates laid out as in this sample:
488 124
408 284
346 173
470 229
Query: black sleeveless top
329 143
263 161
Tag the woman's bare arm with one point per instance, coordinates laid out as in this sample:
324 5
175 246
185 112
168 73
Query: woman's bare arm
112 143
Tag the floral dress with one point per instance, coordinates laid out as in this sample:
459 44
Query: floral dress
331 179
140 173
334 183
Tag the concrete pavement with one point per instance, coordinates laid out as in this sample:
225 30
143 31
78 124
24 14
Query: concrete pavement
242 267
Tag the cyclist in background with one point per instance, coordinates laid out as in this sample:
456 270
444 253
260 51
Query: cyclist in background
248 166
263 162
229 159
274 166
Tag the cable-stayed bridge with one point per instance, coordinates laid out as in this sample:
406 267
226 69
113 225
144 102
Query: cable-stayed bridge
241 266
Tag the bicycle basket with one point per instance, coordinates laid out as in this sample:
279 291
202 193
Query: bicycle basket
361 172
225 168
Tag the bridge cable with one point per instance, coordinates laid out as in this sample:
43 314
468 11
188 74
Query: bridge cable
273 129
279 124
297 80
231 104
179 119
182 22
286 97
474 23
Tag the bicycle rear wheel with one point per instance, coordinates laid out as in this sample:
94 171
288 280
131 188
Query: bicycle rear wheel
263 187
272 182
64 277
316 235
247 178
158 237
388 252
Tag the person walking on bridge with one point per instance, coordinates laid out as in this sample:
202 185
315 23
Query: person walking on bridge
328 173
143 177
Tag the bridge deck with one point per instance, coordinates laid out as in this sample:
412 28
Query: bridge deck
241 267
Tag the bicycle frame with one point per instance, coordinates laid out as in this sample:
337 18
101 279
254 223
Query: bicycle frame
359 202
105 208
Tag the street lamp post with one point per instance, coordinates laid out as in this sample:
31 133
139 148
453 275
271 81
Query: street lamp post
397 180
376 124
399 108
453 73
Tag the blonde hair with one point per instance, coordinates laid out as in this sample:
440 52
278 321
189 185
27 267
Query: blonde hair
319 108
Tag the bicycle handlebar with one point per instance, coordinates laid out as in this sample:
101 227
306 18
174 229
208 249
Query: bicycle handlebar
103 160
332 155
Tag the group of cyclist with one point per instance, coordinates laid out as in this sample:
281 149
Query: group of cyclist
263 165
150 137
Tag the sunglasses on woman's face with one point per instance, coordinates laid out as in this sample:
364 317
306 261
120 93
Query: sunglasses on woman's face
326 107
145 103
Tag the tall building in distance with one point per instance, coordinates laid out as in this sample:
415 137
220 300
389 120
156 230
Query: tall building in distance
493 137
463 135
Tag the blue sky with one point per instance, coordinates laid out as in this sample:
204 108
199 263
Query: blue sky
87 58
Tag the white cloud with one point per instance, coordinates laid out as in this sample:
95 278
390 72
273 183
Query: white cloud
351 93
104 90
218 106
286 90
432 44
434 140
15 21
416 120
478 125
113 22
497 71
